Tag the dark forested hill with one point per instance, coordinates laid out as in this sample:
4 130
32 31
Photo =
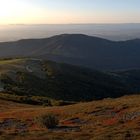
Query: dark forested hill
78 49
39 78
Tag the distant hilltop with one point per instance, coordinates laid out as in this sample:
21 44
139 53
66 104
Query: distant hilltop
78 49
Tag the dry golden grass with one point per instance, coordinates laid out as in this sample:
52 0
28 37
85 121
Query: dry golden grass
108 119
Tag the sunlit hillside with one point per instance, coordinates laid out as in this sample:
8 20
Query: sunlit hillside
109 119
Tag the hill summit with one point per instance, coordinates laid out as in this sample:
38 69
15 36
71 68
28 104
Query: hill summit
78 49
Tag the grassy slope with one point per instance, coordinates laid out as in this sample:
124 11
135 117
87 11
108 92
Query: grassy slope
109 119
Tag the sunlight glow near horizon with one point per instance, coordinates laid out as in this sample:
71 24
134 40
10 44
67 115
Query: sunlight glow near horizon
18 11
69 11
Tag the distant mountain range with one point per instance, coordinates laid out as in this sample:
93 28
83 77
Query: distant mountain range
78 49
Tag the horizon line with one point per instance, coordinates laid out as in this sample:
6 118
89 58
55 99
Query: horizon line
36 38
68 23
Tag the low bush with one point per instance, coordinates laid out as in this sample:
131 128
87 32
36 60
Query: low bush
47 121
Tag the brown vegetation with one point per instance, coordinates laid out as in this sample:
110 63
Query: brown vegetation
108 119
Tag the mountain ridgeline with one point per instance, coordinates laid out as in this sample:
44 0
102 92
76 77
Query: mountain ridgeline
78 49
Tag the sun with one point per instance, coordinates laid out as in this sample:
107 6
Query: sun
13 11
8 8
18 11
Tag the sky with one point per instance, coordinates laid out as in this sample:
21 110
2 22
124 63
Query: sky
69 11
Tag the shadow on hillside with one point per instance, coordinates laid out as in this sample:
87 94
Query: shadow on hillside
67 128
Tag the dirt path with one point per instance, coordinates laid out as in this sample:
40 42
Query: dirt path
34 66
29 69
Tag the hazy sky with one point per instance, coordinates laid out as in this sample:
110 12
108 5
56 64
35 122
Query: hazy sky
69 11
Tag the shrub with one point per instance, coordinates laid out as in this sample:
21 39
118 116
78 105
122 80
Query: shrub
48 121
